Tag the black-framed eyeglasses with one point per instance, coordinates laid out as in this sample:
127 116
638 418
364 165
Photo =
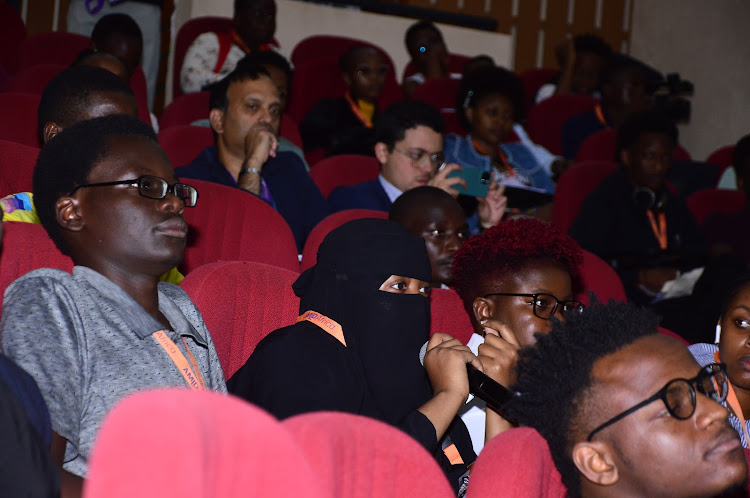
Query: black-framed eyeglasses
545 305
153 187
419 158
678 395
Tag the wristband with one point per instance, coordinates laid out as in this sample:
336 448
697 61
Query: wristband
251 170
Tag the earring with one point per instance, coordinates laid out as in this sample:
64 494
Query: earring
718 334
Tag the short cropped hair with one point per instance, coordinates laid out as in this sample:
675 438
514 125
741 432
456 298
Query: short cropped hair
640 123
508 247
484 81
269 58
415 28
246 4
733 290
114 25
400 116
69 94
410 202
346 61
554 377
592 44
66 162
218 98
741 156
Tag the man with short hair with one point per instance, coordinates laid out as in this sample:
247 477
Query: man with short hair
245 116
627 411
108 197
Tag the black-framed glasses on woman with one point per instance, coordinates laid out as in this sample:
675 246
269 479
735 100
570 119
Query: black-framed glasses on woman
545 305
153 187
678 395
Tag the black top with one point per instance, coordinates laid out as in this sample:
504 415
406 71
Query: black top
332 126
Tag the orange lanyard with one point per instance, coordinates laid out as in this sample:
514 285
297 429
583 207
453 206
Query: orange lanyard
734 403
189 370
358 112
502 164
660 232
600 115
325 323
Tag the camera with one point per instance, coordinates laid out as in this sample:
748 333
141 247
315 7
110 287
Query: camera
670 97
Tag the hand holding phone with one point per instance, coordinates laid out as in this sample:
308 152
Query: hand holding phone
477 181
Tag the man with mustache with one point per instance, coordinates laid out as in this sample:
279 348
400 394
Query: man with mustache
108 197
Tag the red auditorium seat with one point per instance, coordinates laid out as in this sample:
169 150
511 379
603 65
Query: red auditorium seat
250 452
546 119
185 109
574 185
324 227
533 80
183 143
527 467
346 169
138 85
18 118
320 78
53 47
602 146
187 33
12 34
438 92
229 224
288 129
456 65
34 79
314 46
722 157
17 163
673 335
360 457
448 315
601 279
241 303
26 247
706 202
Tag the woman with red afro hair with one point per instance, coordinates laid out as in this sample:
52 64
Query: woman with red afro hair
513 279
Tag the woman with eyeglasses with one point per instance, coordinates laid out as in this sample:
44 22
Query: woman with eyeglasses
732 349
513 279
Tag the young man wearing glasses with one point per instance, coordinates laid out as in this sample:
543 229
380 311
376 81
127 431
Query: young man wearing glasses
108 197
513 279
409 149
628 411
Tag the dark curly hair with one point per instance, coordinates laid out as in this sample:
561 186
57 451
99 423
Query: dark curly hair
640 123
484 81
404 115
508 247
592 44
554 376
65 163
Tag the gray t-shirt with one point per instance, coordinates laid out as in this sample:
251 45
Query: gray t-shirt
88 344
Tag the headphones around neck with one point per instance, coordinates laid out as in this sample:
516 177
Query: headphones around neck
644 198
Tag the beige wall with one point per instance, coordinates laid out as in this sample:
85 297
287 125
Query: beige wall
706 42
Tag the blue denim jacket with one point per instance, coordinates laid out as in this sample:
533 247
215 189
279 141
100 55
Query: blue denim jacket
460 150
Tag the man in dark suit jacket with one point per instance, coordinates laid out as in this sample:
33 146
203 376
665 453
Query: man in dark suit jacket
410 151
245 116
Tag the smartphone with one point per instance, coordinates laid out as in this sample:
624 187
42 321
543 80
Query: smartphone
477 181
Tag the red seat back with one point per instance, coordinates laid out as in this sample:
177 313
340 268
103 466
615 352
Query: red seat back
722 157
314 46
187 33
673 335
709 201
601 279
185 109
359 457
324 227
602 146
18 118
12 34
346 169
138 85
229 224
183 143
34 79
438 92
53 47
448 315
26 247
241 303
519 463
288 129
250 452
533 80
546 119
17 162
574 185
456 64
320 78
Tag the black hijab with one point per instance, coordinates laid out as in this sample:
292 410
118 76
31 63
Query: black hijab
384 331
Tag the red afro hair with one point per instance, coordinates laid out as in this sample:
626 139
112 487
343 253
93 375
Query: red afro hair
508 247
